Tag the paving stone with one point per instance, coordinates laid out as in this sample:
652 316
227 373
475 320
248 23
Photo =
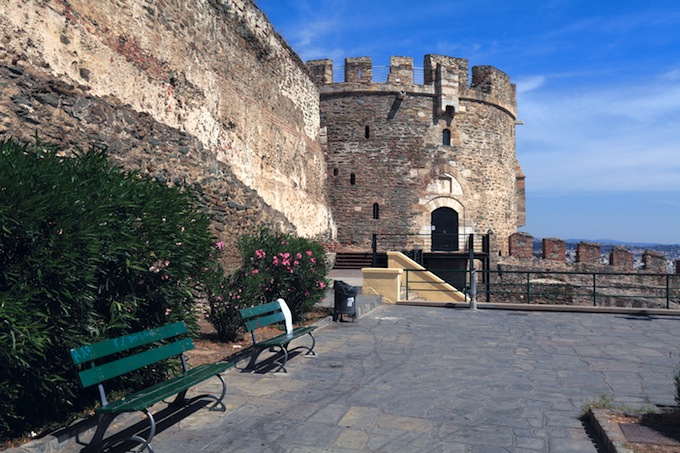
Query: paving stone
472 382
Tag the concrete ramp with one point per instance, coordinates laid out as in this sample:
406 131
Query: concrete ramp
391 283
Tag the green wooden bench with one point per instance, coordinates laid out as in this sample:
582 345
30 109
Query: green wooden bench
272 314
102 361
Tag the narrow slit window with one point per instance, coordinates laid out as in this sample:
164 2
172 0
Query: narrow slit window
335 172
352 179
446 137
376 211
367 132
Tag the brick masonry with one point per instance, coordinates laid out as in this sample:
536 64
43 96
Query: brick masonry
588 253
621 259
554 249
654 261
521 246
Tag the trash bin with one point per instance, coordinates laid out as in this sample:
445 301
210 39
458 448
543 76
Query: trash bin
345 300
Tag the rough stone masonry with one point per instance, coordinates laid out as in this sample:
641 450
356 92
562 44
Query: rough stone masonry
204 93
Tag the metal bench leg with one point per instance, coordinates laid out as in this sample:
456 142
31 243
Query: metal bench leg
96 444
152 432
282 364
218 405
253 359
180 399
311 349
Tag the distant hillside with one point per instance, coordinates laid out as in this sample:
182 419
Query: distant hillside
615 242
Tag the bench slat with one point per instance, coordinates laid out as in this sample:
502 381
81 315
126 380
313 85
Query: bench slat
105 348
285 337
259 310
101 373
263 321
152 395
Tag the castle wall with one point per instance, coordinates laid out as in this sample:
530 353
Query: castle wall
386 147
552 279
588 253
588 257
554 249
204 93
621 259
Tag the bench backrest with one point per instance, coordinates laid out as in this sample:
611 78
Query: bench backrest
262 315
99 373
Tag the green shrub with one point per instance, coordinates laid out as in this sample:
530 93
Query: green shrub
274 265
87 252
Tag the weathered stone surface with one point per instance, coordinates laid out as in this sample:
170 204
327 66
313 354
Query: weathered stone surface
554 249
410 149
588 253
521 245
175 89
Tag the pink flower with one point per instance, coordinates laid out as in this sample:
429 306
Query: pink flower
298 255
322 285
254 272
168 311
219 245
313 260
310 253
260 253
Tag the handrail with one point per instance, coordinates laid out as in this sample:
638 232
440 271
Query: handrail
599 289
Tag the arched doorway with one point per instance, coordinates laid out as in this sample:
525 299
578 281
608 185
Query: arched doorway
444 223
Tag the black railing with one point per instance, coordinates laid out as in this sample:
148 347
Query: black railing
416 245
638 290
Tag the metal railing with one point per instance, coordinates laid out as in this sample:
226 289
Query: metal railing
440 242
596 289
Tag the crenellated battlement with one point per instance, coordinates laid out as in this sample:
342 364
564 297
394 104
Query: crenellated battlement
445 77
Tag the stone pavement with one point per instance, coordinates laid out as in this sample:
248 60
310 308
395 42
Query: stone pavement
421 379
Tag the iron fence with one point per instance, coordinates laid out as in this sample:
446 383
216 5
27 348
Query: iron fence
597 289
430 243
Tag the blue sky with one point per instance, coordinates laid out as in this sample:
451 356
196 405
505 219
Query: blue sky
598 86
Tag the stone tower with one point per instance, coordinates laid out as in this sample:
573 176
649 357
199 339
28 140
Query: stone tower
420 159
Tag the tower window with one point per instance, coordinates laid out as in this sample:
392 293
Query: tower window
446 137
367 132
335 172
352 179
376 211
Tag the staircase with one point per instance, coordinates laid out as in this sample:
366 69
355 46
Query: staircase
352 260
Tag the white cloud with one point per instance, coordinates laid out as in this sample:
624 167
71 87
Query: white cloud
602 140
671 75
526 84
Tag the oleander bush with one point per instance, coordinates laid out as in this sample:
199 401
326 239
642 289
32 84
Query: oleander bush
274 265
87 252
